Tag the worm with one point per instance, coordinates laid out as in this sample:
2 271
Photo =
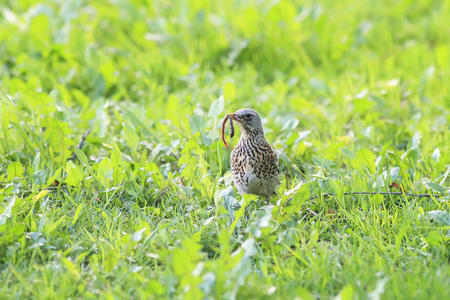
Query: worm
227 118
223 131
231 126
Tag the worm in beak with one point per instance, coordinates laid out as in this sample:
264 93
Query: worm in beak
230 118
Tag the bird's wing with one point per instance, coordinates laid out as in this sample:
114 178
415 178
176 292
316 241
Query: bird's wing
269 156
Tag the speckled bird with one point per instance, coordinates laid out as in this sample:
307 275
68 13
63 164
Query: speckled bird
253 161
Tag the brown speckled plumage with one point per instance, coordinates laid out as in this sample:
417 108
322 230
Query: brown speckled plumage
253 160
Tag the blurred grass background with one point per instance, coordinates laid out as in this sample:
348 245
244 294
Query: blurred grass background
354 96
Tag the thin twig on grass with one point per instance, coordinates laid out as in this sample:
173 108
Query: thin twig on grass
80 144
375 193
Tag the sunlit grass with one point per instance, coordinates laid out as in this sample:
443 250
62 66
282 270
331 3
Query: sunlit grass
354 97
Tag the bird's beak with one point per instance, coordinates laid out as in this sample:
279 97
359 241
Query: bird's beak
235 117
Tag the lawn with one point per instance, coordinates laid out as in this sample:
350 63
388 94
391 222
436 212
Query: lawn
354 96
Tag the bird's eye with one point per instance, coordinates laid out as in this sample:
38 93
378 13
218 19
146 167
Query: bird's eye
248 116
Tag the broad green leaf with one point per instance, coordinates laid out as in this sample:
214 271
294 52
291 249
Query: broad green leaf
40 29
435 187
6 214
416 139
52 226
303 294
348 153
70 266
14 170
229 91
322 162
116 156
74 174
436 154
130 136
364 159
156 287
81 156
346 293
318 84
434 238
394 173
439 216
216 107
105 170
363 105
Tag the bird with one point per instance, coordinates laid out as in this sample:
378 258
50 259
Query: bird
254 162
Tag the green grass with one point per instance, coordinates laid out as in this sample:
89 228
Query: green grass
354 96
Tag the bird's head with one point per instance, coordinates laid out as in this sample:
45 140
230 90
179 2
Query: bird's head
249 122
